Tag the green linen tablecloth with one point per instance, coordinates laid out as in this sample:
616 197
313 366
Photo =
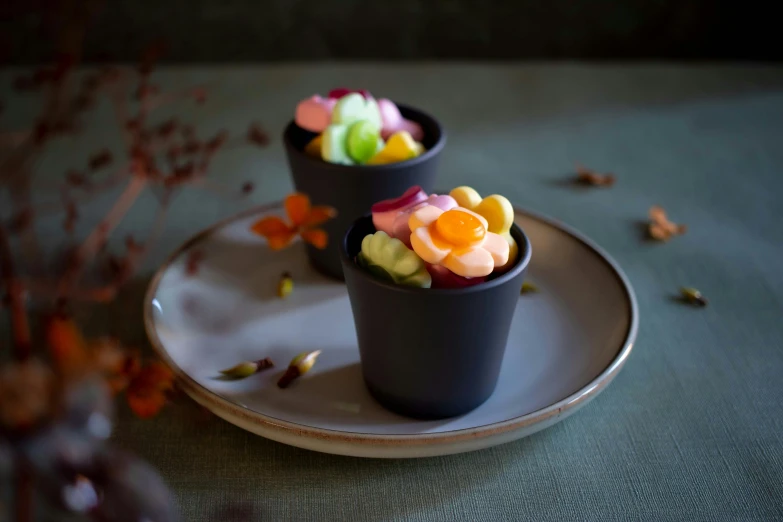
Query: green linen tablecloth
689 430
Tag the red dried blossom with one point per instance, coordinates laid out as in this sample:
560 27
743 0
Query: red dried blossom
149 389
213 145
71 216
590 177
167 128
150 56
76 179
21 221
188 131
133 124
25 393
258 135
132 245
192 146
193 261
173 153
100 159
200 96
661 228
146 91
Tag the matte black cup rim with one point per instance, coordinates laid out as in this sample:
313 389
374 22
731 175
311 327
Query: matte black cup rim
435 149
522 262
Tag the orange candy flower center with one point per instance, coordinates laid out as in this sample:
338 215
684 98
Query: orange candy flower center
459 228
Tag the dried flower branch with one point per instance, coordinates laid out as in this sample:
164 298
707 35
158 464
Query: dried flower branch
56 417
20 326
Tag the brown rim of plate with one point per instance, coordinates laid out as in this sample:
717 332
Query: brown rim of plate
203 395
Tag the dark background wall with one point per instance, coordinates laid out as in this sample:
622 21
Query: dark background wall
273 30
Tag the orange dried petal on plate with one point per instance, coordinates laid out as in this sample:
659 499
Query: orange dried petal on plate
270 226
316 237
319 215
279 242
297 206
278 235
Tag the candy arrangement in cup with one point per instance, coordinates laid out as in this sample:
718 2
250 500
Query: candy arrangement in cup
356 129
440 241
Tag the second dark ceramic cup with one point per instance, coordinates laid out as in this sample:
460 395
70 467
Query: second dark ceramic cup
431 353
353 189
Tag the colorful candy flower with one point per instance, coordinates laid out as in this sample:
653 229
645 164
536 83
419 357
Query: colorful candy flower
458 240
496 209
389 259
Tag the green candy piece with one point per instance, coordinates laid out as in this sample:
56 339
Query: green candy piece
362 140
373 113
380 146
333 141
390 260
353 107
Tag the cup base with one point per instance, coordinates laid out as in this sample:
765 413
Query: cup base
422 410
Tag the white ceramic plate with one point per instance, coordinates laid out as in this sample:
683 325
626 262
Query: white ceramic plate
567 343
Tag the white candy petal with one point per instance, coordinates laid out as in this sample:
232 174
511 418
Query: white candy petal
422 244
497 246
424 216
470 262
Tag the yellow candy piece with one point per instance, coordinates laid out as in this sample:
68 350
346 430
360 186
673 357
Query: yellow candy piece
498 212
314 147
466 197
399 147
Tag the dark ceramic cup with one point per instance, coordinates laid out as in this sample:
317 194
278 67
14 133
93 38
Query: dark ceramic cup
431 353
352 189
